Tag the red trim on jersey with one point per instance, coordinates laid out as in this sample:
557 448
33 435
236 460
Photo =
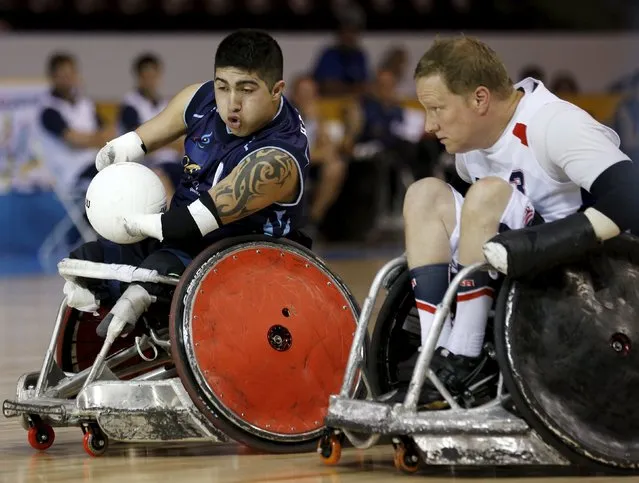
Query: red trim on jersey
520 131
475 294
425 306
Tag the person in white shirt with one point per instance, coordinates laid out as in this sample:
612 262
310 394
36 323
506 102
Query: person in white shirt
70 130
546 182
142 104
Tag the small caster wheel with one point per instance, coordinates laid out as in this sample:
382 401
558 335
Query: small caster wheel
95 444
405 459
40 436
330 449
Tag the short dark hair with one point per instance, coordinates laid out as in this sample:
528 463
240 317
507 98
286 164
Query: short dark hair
58 59
146 59
254 51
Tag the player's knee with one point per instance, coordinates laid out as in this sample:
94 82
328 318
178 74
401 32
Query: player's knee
487 198
90 251
427 197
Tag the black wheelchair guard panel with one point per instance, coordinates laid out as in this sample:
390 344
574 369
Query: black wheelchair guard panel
391 342
567 342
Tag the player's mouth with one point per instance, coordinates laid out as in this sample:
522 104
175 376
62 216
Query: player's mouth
233 122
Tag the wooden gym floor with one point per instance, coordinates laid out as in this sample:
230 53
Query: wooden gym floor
27 311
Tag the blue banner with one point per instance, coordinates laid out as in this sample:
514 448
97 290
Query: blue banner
29 210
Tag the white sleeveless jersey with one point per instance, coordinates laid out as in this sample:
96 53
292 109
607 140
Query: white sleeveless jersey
523 155
63 161
146 110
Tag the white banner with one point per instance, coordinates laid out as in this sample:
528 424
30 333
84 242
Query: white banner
20 166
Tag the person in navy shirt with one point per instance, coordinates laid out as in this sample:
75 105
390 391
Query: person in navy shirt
342 69
246 158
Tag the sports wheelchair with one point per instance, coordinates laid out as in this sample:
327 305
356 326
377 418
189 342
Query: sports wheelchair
257 338
566 381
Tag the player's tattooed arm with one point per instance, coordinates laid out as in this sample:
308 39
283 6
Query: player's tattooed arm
266 176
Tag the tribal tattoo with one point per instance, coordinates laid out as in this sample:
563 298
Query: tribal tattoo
265 177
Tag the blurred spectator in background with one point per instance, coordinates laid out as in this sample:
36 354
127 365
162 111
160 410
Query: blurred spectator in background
342 69
327 169
564 83
144 103
71 131
626 122
534 71
371 123
381 131
395 59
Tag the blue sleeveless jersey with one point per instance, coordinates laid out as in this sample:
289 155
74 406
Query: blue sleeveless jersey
212 152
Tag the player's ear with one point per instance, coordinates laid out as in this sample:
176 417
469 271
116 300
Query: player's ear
278 90
481 99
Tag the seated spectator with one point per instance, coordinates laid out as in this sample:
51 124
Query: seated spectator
342 69
327 169
564 83
534 71
374 123
626 123
144 103
70 130
380 129
396 59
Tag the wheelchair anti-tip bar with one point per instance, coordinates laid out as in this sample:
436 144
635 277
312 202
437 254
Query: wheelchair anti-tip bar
110 271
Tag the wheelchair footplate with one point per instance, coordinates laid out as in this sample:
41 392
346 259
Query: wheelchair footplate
131 411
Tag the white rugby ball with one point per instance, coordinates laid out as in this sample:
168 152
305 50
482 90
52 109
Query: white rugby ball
120 190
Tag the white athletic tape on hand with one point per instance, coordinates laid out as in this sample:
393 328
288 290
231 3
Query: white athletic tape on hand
203 218
80 298
497 256
126 148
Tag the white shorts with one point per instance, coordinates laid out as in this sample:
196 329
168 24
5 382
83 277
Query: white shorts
519 213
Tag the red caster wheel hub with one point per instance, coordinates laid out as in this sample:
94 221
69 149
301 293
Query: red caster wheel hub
41 436
94 444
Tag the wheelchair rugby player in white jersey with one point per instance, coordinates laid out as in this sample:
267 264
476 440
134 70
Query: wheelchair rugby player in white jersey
546 183
529 352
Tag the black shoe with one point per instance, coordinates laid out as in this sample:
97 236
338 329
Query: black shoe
460 373
457 373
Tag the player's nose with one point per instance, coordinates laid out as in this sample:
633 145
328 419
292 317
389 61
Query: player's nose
430 126
235 104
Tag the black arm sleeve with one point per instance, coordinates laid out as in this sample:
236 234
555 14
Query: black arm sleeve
178 224
616 193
